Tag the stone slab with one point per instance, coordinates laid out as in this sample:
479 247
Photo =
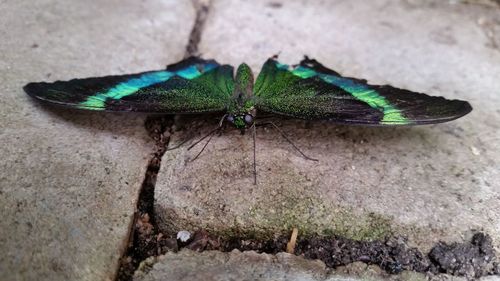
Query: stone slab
212 265
69 180
429 183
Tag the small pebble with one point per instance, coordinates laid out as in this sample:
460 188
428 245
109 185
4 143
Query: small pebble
183 235
475 151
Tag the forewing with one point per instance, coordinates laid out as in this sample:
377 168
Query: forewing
193 85
311 91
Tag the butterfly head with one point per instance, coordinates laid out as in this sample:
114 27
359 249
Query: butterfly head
241 121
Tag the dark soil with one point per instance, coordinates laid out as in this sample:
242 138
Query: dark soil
471 259
392 255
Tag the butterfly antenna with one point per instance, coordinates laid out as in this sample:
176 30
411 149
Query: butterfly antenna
287 139
254 133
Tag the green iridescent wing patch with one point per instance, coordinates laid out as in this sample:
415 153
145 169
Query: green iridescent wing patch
193 85
311 91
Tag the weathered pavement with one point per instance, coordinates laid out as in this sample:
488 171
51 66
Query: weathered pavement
69 180
213 265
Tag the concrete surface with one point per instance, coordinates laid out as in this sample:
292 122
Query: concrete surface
212 265
69 180
430 183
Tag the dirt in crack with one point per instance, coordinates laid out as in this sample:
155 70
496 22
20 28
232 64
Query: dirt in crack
143 240
471 259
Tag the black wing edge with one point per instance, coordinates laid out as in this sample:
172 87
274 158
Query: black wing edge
448 110
189 61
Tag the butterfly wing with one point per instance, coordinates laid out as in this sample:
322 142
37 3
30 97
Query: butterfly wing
311 91
193 85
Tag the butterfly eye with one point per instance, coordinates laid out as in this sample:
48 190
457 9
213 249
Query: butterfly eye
248 119
230 118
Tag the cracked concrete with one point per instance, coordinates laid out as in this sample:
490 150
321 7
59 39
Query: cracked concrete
69 180
432 183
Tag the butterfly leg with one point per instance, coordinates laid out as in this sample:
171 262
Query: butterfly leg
179 145
288 140
190 138
221 124
210 135
254 133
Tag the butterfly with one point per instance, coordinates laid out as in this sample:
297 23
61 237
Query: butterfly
307 90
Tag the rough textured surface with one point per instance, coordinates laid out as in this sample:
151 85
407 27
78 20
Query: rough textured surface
69 180
429 183
236 265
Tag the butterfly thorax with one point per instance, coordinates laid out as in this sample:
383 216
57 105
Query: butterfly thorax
241 110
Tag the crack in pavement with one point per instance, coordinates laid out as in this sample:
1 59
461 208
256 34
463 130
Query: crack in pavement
143 234
141 242
202 10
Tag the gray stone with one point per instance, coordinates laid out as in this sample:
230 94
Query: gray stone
430 183
69 180
213 265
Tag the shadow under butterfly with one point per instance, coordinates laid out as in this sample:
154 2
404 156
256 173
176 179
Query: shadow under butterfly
307 91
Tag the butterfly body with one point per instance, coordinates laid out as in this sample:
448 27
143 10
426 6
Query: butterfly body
241 111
